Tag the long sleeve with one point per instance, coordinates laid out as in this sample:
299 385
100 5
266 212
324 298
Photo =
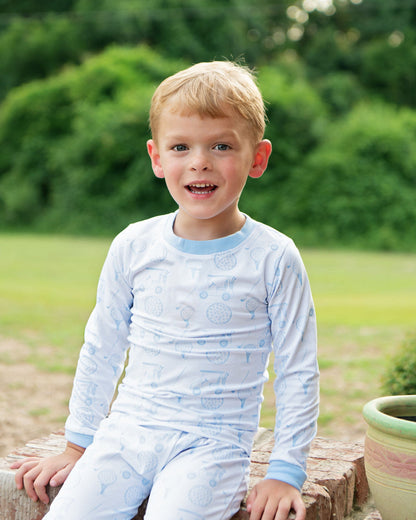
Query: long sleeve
103 353
293 326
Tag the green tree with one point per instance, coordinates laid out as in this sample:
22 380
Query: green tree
32 49
388 69
28 7
358 186
73 146
296 119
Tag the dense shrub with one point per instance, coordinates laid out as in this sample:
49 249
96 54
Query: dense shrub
33 49
329 50
358 186
341 91
73 146
389 71
74 157
296 118
39 38
400 377
45 39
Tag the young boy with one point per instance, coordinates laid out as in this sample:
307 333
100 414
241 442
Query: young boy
200 298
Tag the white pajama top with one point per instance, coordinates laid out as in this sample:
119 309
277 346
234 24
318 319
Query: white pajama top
199 320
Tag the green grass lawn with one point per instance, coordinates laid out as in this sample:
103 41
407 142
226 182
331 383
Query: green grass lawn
47 290
365 304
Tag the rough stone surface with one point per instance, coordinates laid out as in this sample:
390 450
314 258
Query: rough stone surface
353 453
335 488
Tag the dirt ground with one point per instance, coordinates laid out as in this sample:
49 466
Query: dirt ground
34 403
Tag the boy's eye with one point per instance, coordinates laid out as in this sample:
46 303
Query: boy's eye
179 148
222 147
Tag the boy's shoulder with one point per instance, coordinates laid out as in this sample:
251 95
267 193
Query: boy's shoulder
136 237
273 235
144 227
280 247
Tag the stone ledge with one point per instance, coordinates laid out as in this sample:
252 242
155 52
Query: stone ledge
336 483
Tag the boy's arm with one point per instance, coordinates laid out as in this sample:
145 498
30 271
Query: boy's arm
296 386
99 367
103 353
35 473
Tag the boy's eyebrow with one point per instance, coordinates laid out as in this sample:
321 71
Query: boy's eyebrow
222 136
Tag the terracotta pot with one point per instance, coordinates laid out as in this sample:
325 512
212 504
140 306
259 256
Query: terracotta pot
390 455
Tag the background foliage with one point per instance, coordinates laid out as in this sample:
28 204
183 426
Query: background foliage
76 81
400 376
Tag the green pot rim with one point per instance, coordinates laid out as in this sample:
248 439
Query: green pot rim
377 413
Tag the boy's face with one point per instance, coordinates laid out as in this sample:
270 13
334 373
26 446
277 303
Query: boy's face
205 162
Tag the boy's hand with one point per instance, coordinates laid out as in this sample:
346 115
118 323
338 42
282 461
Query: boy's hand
35 473
273 500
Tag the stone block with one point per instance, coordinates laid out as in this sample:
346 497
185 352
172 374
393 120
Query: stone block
336 478
317 501
14 504
340 451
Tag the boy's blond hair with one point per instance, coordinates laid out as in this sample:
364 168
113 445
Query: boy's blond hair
210 89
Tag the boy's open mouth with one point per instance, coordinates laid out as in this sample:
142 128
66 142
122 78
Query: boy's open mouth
201 188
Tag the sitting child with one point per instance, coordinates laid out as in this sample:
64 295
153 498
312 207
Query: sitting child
199 298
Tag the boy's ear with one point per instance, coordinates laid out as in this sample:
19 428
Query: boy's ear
261 158
155 158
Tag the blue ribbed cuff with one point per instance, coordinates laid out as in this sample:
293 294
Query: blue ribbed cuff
286 472
80 439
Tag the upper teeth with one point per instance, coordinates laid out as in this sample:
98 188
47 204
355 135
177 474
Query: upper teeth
202 185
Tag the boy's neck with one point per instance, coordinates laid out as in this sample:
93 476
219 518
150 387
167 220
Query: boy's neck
207 229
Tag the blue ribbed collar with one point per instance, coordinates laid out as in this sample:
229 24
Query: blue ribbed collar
207 247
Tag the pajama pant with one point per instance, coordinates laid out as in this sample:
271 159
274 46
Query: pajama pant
186 476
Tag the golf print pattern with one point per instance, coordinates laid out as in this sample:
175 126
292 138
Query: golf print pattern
112 479
200 319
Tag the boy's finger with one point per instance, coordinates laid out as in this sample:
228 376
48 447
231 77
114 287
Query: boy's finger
18 463
251 498
257 510
60 477
23 469
28 480
40 488
300 510
283 511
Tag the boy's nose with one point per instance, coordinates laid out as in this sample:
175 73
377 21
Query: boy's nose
199 168
200 162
